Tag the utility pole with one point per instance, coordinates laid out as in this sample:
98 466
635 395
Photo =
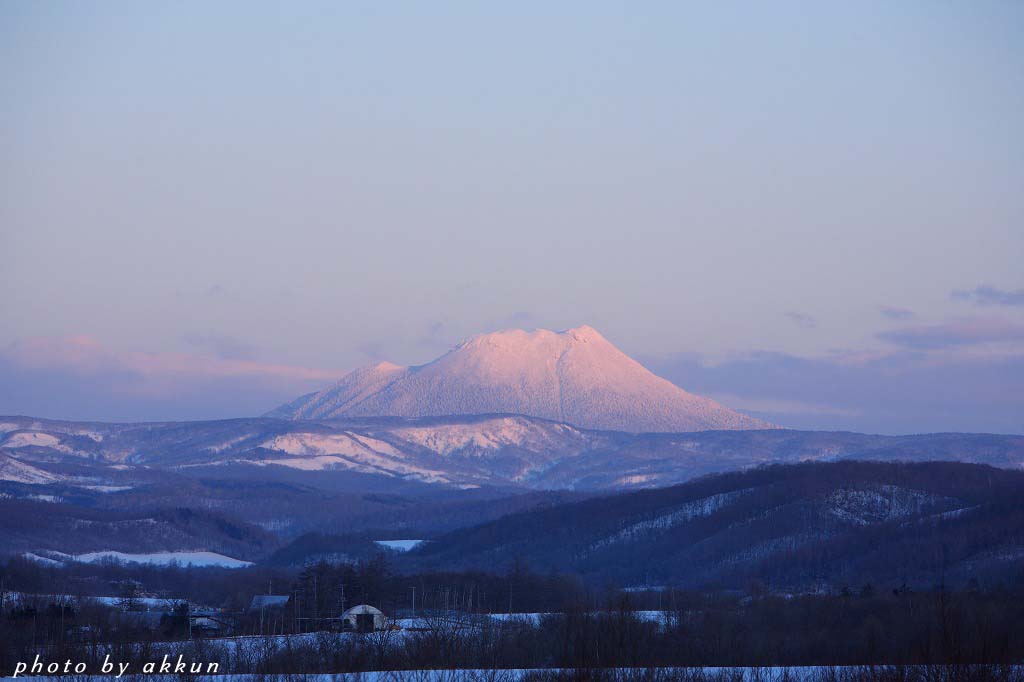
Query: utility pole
413 600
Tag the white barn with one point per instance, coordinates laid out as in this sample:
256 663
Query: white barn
364 618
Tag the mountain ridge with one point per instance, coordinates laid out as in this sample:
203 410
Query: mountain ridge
466 451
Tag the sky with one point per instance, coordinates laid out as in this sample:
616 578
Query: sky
812 212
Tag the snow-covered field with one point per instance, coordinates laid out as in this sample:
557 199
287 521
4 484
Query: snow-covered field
535 618
197 558
399 545
145 602
184 558
703 674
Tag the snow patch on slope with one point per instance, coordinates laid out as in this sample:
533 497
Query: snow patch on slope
107 488
487 436
314 444
195 558
399 545
691 510
226 445
16 471
881 503
39 439
25 439
352 457
46 561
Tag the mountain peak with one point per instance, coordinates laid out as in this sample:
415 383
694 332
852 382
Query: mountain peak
584 333
522 337
574 376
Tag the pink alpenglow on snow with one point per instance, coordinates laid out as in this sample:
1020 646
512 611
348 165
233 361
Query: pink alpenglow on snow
575 376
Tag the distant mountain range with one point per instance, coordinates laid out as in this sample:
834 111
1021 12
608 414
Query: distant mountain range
576 377
246 488
502 451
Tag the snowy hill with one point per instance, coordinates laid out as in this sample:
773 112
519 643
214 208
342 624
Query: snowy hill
14 470
576 377
801 527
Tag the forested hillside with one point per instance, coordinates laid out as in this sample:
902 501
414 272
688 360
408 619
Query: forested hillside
800 526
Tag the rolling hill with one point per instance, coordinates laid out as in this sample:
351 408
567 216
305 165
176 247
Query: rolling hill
797 527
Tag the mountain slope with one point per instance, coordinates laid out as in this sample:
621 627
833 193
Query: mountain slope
795 526
575 376
34 525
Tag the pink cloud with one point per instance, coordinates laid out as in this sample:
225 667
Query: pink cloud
153 372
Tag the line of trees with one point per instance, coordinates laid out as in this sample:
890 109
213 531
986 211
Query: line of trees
932 627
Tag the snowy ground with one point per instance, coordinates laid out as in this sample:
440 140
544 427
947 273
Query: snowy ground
706 674
198 558
183 558
399 545
106 600
535 618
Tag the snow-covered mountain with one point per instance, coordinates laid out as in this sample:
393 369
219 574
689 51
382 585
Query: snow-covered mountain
575 377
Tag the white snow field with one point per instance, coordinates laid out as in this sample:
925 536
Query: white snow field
194 558
701 674
399 545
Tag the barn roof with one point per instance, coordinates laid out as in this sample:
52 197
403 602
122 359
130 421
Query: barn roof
263 601
362 609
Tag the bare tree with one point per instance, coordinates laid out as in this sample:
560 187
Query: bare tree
380 640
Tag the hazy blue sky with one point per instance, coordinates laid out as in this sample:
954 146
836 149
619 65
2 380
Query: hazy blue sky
813 211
